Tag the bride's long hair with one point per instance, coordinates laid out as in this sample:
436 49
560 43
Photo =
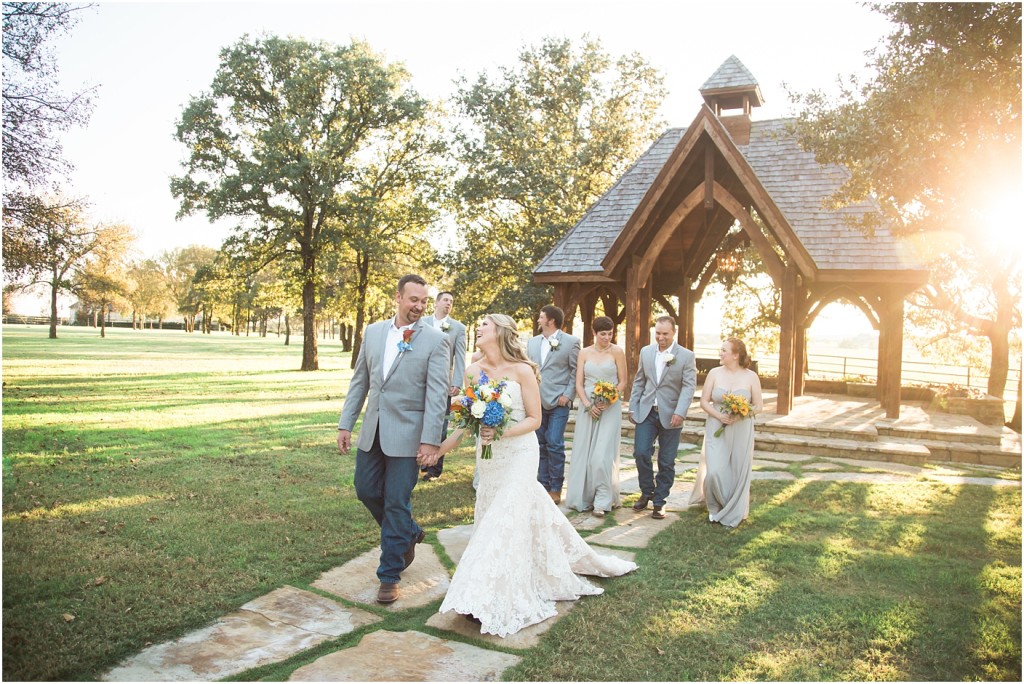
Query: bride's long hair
509 345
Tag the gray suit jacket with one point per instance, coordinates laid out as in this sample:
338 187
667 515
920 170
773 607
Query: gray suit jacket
675 391
408 408
457 344
558 373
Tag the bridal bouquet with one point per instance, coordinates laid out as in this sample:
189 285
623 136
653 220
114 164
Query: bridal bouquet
736 405
482 404
605 393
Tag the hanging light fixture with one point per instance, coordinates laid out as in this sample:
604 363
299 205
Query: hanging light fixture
728 261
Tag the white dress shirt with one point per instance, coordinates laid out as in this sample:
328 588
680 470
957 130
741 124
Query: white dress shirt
661 363
546 347
391 346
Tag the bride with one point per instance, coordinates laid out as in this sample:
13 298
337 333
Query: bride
523 555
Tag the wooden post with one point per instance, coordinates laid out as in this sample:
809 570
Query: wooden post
633 317
893 356
686 323
799 360
587 315
645 316
784 401
882 368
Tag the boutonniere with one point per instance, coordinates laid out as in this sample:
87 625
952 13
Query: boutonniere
445 326
404 345
554 343
667 357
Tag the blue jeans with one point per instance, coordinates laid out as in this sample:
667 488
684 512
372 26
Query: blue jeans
551 438
643 449
384 484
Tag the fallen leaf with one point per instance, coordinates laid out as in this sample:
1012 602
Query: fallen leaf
68 617
660 652
98 581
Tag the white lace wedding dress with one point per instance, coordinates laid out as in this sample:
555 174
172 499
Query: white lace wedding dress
523 555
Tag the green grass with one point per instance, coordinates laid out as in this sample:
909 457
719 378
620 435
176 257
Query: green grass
154 481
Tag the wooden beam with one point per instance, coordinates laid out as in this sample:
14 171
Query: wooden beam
769 257
686 307
663 300
766 207
706 245
786 340
677 165
709 177
667 229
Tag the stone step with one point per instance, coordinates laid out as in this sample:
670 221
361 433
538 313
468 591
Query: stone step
899 452
968 436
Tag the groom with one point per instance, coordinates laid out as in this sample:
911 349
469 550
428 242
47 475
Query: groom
403 368
666 378
555 352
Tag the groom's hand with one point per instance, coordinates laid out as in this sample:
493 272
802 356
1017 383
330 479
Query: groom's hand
344 441
427 455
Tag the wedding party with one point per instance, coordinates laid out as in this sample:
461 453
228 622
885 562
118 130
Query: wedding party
508 341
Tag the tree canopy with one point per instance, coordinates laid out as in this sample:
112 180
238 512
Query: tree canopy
538 144
933 136
279 136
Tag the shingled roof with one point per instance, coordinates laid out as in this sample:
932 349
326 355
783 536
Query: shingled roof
794 180
732 74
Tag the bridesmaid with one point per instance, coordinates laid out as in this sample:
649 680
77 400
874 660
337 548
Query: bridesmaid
723 476
593 481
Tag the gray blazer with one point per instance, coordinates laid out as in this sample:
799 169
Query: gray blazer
457 343
558 374
675 391
408 407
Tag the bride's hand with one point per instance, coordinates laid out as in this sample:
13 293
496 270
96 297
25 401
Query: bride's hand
487 434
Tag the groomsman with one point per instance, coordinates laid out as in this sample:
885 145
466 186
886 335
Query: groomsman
457 343
663 388
555 352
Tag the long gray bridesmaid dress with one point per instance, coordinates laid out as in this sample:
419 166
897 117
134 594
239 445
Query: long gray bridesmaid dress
723 475
593 480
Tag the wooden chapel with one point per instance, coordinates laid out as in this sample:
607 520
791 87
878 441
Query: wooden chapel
696 195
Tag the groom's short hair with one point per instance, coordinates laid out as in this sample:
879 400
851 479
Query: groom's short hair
410 278
553 313
665 319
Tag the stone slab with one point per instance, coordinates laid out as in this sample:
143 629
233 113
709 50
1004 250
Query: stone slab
455 540
424 581
772 465
582 520
821 467
528 637
771 475
384 656
266 630
782 456
633 530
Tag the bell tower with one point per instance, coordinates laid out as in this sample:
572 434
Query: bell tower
731 93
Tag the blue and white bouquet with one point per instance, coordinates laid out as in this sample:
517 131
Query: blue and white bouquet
482 404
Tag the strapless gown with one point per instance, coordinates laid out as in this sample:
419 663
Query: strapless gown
523 555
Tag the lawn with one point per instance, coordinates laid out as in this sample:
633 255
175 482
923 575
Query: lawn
154 481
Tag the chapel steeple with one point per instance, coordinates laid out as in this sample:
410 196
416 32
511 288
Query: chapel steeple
733 87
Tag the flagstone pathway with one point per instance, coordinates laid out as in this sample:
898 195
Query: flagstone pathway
289 621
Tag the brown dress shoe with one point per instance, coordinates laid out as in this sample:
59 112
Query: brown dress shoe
641 503
410 553
556 497
388 592
657 514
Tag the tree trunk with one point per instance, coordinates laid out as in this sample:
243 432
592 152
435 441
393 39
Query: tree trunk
999 336
287 328
363 267
103 319
310 360
53 311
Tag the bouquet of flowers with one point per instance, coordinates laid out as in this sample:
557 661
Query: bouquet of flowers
605 393
482 404
736 405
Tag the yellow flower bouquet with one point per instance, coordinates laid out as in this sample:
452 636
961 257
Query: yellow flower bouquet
736 405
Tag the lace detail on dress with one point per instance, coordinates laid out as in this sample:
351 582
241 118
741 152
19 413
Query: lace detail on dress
524 554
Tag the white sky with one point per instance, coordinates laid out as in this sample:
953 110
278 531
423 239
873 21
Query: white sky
149 58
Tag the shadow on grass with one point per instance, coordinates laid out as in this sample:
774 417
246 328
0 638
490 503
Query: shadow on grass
825 581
